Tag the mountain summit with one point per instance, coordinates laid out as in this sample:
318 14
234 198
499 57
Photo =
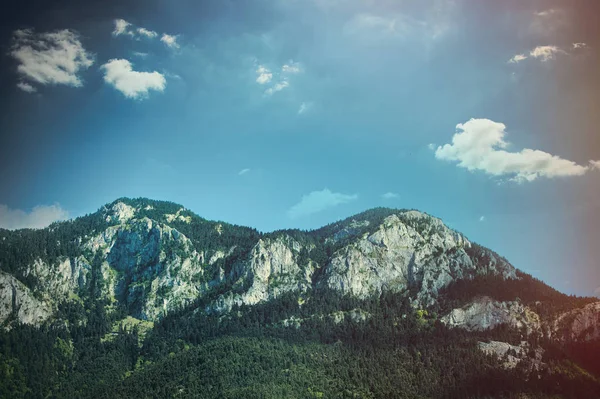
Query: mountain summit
144 264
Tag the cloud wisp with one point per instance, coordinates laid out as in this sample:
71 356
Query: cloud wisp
243 171
124 28
318 201
480 145
39 217
50 58
119 73
389 196
544 53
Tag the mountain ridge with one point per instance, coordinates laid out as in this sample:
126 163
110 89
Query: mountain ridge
159 276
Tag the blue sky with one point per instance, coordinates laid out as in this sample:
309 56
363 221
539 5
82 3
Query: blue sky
278 114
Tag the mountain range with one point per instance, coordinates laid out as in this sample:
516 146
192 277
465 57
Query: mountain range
146 298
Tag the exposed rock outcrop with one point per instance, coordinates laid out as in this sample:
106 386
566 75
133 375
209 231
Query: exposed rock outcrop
411 249
578 325
485 313
16 300
512 355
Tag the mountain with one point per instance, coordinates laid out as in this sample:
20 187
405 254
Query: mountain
146 298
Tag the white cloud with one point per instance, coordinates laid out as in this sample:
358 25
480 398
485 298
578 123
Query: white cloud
482 219
120 74
546 53
479 145
264 75
169 40
50 58
517 58
277 87
146 32
140 54
304 107
595 165
291 67
243 171
26 87
389 196
39 217
579 45
122 28
318 201
431 146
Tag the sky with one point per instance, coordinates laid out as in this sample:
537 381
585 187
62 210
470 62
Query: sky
297 113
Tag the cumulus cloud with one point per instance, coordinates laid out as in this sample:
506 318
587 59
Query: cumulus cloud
169 40
146 32
26 87
517 58
243 171
318 201
479 144
39 217
545 53
389 196
133 84
264 75
579 45
50 58
595 165
122 28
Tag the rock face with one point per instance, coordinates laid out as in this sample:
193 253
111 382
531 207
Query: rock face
411 249
579 324
485 313
512 355
16 300
153 268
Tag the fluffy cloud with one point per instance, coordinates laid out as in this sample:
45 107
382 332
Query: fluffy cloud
595 165
579 45
318 201
39 217
169 40
50 58
243 171
517 58
264 75
122 28
120 74
26 87
546 53
389 196
146 32
479 145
